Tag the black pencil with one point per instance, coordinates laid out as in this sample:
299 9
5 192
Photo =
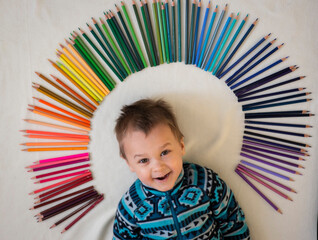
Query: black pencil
278 124
277 131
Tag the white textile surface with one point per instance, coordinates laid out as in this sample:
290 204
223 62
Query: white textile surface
207 111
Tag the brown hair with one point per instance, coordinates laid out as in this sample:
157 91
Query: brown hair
144 115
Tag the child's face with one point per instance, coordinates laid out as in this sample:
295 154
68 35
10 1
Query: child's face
156 158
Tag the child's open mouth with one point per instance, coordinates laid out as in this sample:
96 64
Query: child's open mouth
163 177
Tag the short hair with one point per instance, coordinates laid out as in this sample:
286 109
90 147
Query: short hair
144 115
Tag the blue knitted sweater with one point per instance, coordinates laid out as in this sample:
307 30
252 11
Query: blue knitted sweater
200 206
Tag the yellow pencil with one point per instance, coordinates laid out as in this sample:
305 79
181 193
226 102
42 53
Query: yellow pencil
97 81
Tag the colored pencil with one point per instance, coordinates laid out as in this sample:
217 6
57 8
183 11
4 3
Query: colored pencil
64 157
168 31
270 87
192 61
216 47
230 45
58 184
45 164
248 52
115 48
173 32
266 178
259 192
60 171
277 131
267 171
55 126
264 184
264 80
223 43
199 62
213 37
266 162
219 72
165 34
276 104
39 204
179 32
55 133
157 27
54 149
74 212
186 31
62 164
151 32
29 144
62 176
233 80
202 34
162 37
277 139
278 124
83 214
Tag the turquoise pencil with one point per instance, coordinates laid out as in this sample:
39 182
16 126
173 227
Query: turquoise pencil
230 45
223 43
168 30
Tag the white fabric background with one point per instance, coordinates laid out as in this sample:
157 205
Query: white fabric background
207 111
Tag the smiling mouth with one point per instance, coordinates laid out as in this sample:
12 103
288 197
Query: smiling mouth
163 177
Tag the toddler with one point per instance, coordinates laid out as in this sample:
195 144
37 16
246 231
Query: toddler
170 199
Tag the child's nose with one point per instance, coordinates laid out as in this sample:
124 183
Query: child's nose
158 166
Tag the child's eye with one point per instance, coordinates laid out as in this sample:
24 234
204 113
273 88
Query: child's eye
144 160
165 152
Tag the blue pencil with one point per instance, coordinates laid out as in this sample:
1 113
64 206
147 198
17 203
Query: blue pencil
257 73
186 32
230 45
244 56
213 36
196 33
254 65
276 104
179 32
236 48
198 62
278 124
219 41
168 30
202 34
250 61
191 32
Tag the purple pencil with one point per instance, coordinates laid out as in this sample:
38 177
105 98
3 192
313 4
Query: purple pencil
267 170
274 148
58 165
259 192
273 152
266 178
268 163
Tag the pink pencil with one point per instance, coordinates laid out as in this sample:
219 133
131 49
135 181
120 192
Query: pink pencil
56 162
62 158
60 171
265 184
63 176
59 183
58 165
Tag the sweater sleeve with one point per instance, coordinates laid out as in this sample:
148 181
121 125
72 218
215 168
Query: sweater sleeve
227 211
124 224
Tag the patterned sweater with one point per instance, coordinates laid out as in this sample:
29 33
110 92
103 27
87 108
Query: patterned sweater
200 206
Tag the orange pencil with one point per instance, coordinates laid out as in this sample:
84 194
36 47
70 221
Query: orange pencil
73 92
56 138
34 144
54 149
59 115
56 133
61 110
72 81
55 126
59 119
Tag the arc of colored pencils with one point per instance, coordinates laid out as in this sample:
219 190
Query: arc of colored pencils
207 67
202 34
223 43
199 61
219 72
259 192
229 46
196 33
213 37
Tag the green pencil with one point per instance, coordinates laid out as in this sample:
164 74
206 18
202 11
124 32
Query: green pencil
154 9
165 32
173 18
133 34
191 32
161 31
179 32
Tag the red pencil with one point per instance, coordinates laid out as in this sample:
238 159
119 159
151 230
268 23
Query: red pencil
60 171
62 176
